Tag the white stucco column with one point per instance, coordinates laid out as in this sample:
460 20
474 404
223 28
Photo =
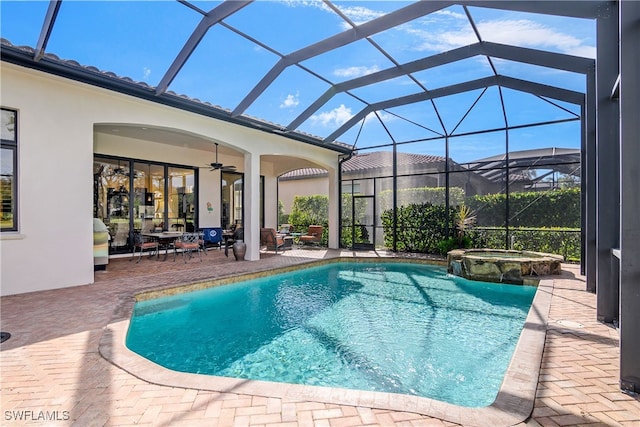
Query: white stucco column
271 202
334 203
251 221
209 198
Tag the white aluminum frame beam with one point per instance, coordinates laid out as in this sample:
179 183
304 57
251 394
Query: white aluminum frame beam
553 60
47 27
369 28
568 8
214 16
565 95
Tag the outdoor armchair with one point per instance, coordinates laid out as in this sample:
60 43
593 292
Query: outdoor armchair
142 243
187 243
314 235
272 240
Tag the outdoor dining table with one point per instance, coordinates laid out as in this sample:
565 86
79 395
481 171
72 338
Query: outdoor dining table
165 239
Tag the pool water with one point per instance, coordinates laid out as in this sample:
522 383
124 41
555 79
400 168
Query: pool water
393 327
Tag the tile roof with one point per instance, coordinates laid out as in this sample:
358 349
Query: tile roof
113 81
367 161
384 159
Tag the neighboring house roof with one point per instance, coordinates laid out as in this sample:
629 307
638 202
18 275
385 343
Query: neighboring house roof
304 173
384 159
558 159
552 152
551 158
360 163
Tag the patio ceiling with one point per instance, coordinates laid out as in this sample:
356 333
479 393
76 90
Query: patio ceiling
340 74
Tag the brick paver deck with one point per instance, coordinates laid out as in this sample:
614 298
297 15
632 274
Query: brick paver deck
52 373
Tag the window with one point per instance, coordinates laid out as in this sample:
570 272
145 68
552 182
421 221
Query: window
8 171
137 195
181 208
232 198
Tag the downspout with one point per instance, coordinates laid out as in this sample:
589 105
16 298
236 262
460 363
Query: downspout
395 197
341 160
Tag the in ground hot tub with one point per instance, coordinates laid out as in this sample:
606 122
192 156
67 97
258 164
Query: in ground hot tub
497 265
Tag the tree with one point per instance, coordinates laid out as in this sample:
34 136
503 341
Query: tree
309 210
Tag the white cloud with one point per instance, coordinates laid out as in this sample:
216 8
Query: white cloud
146 72
527 33
340 115
352 72
450 13
372 117
291 101
306 3
334 118
520 32
359 14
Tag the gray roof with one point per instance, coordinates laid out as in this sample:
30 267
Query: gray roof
384 159
367 162
490 167
552 152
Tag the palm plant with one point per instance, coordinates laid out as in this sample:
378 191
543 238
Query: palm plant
465 219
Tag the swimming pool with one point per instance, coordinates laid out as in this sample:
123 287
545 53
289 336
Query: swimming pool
393 327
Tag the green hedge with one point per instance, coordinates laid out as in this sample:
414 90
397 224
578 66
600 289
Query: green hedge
558 208
420 227
542 221
560 241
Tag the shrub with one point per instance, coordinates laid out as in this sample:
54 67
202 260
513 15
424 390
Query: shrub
420 227
560 241
309 210
558 208
452 243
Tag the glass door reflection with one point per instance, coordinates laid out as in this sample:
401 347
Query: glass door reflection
232 199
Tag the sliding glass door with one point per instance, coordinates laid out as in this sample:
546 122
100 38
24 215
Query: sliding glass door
111 200
181 207
149 196
136 195
232 199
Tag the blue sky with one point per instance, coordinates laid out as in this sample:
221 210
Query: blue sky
140 40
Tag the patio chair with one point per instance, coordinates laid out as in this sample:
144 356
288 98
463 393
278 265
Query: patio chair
187 243
313 236
119 234
286 229
211 236
272 240
143 243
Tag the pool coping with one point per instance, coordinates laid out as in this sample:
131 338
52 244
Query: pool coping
513 404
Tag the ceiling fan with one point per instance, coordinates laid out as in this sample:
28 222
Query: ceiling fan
219 166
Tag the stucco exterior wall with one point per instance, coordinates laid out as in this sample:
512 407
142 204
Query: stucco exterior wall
56 143
288 189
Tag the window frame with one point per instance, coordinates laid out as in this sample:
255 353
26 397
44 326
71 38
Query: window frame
12 145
